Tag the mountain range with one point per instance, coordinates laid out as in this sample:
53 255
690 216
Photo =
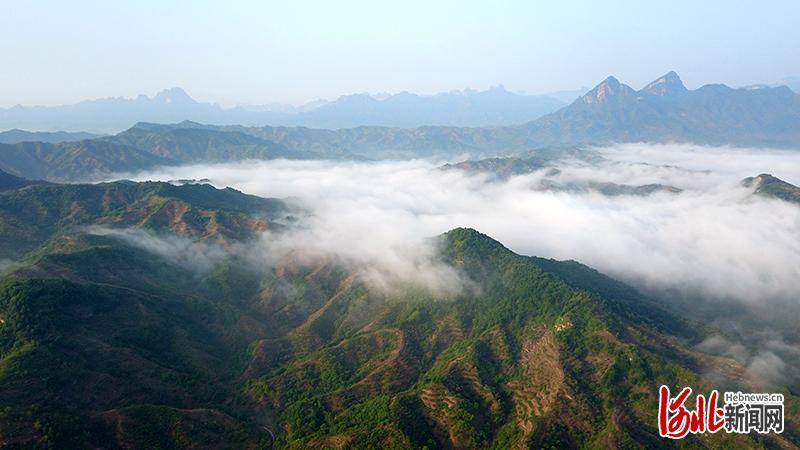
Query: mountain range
143 146
16 136
792 83
665 111
612 112
495 106
133 316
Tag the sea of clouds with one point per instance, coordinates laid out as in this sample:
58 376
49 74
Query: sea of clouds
715 241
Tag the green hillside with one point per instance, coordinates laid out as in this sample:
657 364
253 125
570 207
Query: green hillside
79 160
770 186
189 145
106 343
36 213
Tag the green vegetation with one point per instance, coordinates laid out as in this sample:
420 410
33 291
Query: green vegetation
34 214
770 186
105 344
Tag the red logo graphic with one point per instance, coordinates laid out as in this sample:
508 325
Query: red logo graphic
675 421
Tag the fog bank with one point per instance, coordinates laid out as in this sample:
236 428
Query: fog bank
714 239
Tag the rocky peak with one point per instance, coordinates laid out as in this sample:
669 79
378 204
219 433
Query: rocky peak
605 91
174 96
668 84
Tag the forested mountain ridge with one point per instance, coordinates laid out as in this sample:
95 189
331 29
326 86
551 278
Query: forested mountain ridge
33 213
138 345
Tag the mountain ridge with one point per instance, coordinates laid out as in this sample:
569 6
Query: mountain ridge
495 106
421 374
16 136
669 84
664 111
134 345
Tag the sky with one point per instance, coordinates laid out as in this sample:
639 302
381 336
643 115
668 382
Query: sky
259 52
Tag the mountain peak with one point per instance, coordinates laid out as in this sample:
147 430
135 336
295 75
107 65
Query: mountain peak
771 186
145 126
460 240
611 80
189 124
173 95
609 88
762 180
668 84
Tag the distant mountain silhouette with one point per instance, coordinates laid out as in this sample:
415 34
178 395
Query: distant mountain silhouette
492 107
110 115
662 111
567 96
665 111
495 106
612 112
792 83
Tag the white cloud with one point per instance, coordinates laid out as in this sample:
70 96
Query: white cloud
194 255
767 358
715 238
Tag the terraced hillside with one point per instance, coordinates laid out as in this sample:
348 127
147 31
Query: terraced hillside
31 213
534 360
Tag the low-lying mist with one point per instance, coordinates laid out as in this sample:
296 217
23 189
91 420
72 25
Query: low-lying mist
200 257
713 241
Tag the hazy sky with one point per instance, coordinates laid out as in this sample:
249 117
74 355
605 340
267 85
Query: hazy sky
231 52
